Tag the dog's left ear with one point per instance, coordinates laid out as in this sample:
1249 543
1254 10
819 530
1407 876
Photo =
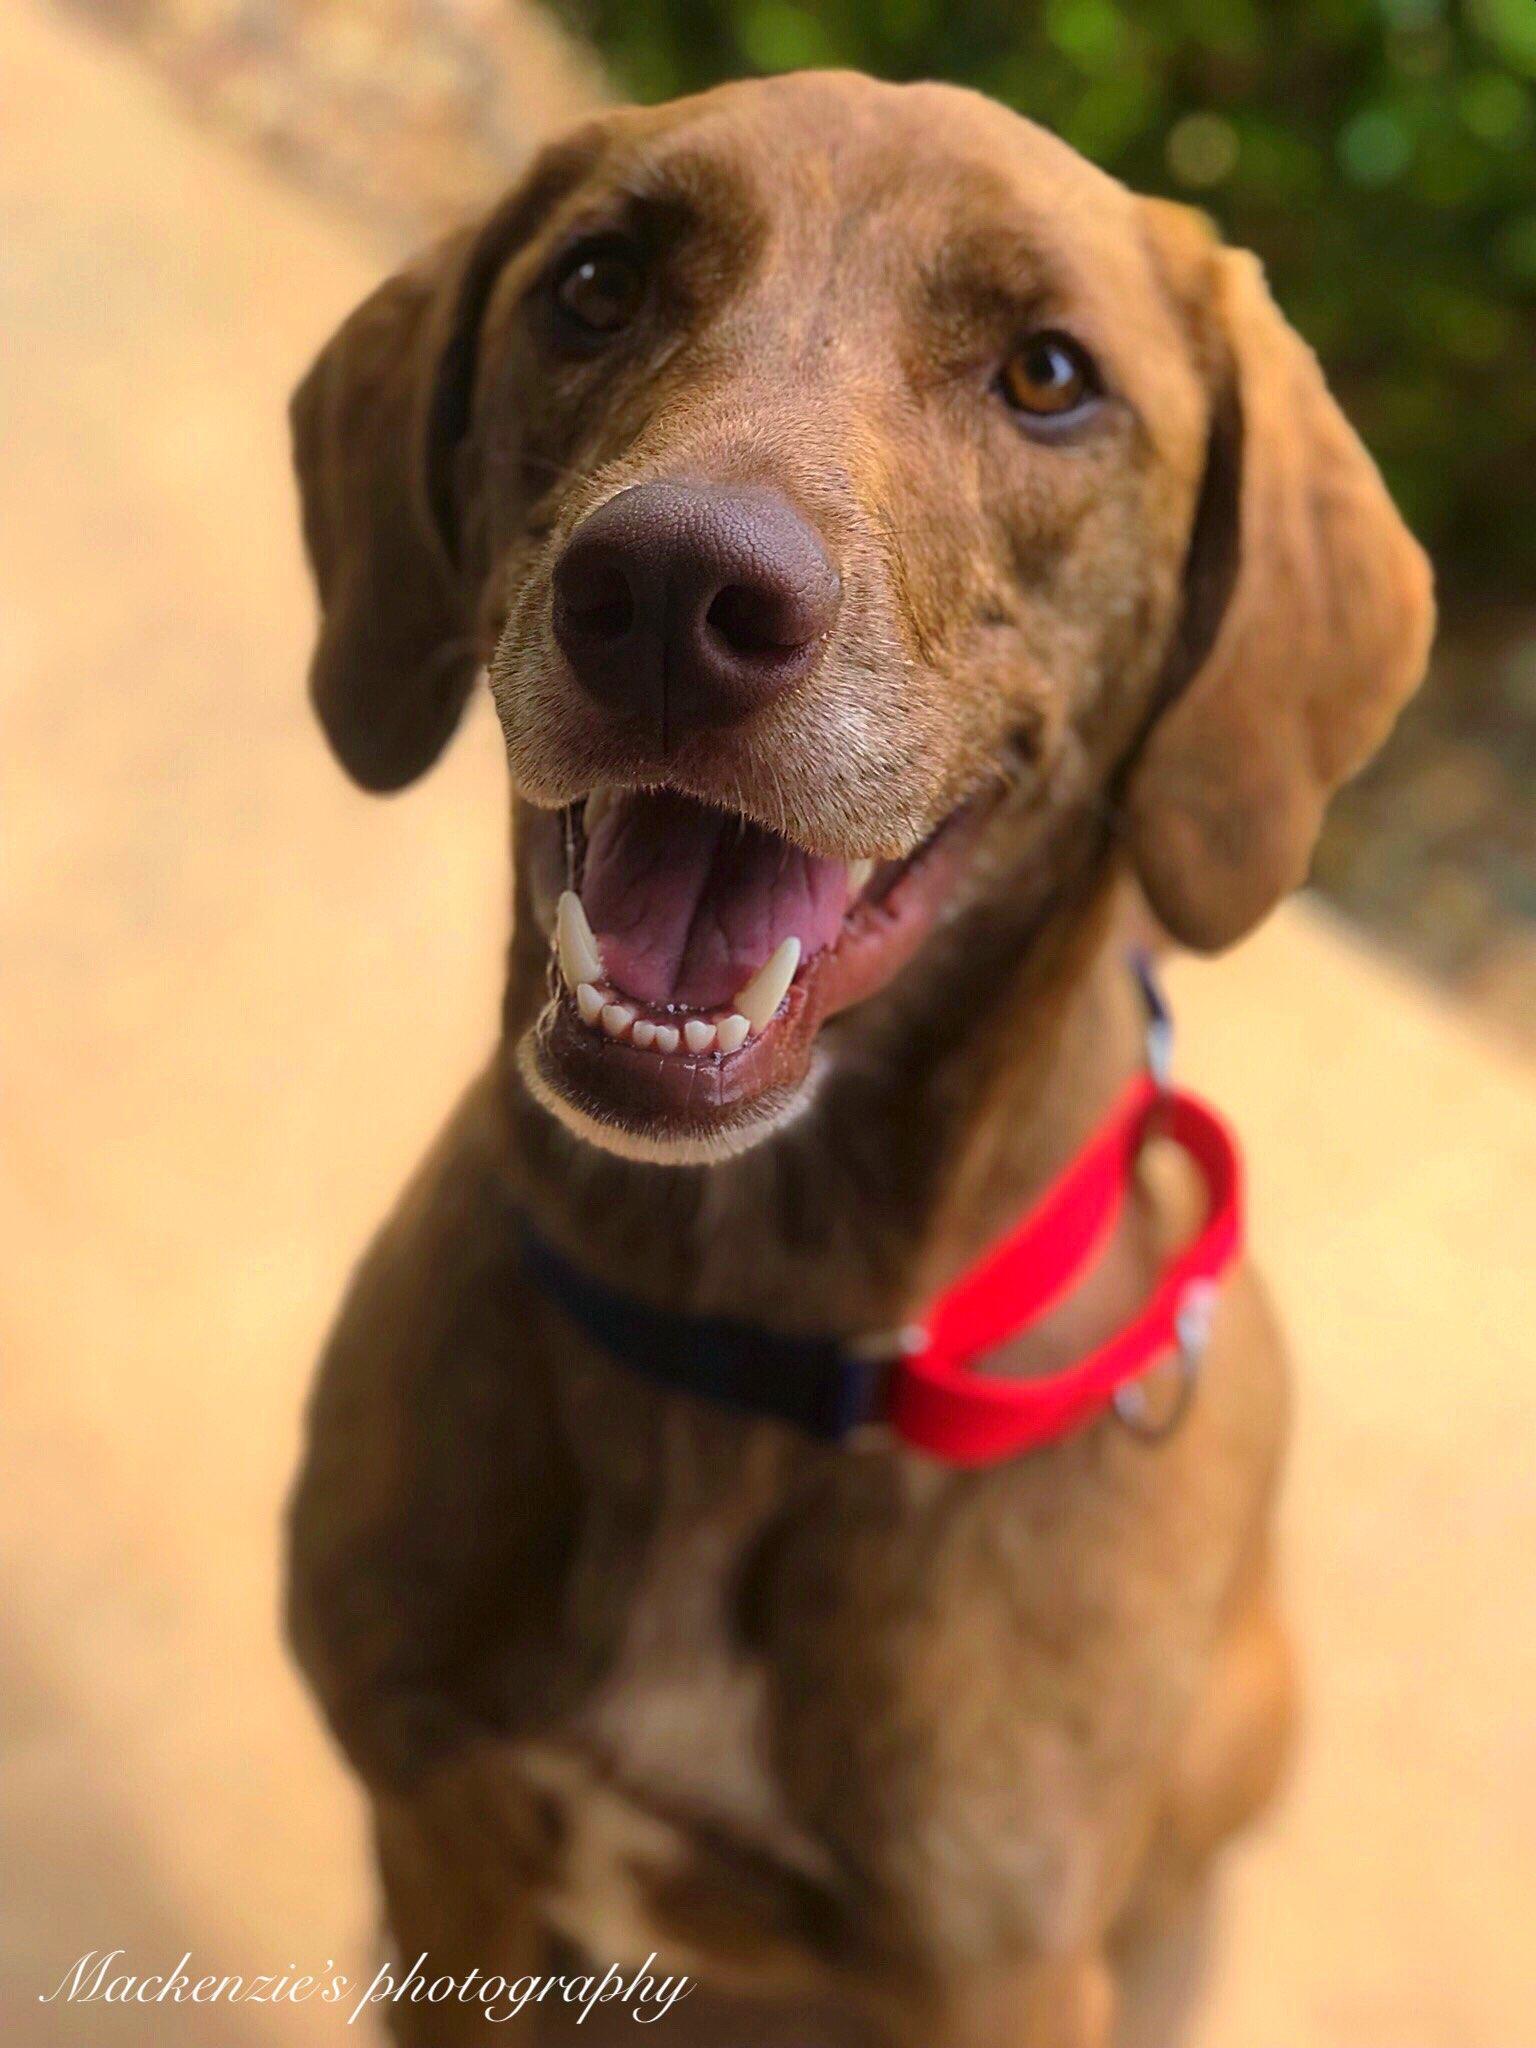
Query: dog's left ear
383 451
1311 614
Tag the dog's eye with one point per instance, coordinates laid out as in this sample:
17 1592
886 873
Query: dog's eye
599 286
1048 375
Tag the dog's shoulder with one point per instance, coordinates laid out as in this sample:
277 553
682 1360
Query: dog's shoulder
434 1487
438 1297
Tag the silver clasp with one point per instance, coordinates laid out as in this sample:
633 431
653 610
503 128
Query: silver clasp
1192 1324
1158 1030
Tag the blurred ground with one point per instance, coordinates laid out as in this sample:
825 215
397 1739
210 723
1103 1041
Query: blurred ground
1433 850
404 113
239 997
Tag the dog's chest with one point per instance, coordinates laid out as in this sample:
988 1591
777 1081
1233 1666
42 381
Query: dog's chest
680 1712
784 1653
665 1765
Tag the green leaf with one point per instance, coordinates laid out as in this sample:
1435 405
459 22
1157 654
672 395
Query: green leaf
1375 147
777 36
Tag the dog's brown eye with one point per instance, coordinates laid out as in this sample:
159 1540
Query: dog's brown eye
1048 375
599 287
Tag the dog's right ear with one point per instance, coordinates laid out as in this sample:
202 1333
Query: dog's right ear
381 443
1308 619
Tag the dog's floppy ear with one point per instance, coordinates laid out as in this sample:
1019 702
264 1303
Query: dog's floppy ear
1310 615
381 427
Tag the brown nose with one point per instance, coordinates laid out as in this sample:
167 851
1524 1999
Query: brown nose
693 605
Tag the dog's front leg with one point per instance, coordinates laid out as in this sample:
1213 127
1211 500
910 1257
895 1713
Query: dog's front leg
458 1859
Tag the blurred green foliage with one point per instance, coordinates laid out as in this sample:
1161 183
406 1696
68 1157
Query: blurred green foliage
1380 155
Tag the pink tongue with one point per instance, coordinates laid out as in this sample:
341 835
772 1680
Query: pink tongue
687 903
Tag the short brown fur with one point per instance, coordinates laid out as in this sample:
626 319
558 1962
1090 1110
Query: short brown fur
879 1751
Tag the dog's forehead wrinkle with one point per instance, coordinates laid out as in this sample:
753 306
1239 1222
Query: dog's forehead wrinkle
822 160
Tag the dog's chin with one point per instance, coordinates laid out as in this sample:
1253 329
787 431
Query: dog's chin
631 1128
694 960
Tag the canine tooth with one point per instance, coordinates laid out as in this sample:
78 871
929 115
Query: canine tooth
769 986
666 1038
589 1001
859 872
697 1035
579 958
617 1019
643 1034
732 1032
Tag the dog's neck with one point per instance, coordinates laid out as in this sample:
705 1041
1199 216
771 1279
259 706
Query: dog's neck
938 1118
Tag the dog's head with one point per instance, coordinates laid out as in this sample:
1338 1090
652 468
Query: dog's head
838 479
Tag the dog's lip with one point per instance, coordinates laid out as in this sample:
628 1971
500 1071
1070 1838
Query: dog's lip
655 1093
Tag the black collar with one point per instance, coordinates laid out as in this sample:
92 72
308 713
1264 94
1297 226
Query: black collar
816 1384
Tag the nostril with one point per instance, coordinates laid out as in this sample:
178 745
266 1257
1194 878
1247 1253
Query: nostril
750 621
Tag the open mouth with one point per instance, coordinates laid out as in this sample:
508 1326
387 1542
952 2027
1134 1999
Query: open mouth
699 954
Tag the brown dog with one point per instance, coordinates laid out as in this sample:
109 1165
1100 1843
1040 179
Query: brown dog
884 533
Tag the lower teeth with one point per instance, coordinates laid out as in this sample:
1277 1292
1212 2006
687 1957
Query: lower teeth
580 961
602 1011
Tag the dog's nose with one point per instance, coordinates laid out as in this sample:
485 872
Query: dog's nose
693 604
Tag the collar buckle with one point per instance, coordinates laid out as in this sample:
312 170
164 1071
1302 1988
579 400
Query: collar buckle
864 1395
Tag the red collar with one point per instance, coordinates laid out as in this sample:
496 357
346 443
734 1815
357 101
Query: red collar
924 1386
939 1402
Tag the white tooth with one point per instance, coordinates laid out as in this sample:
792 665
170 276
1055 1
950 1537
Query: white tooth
859 872
579 958
666 1038
617 1019
732 1032
769 986
697 1035
590 1002
644 1033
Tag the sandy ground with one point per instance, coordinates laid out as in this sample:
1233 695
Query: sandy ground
238 997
